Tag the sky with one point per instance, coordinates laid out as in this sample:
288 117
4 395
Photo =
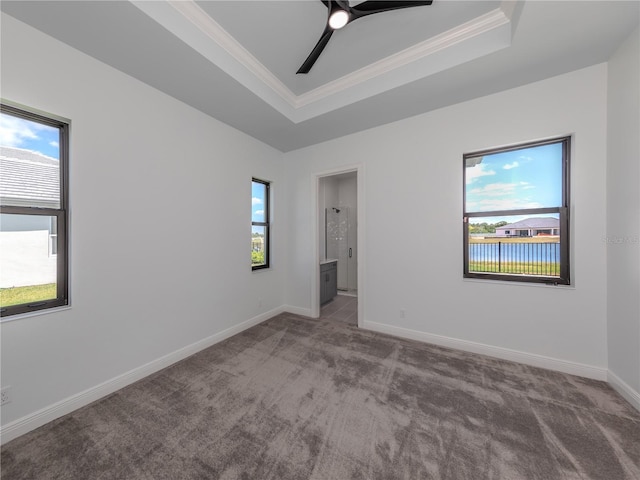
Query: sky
21 133
527 178
257 205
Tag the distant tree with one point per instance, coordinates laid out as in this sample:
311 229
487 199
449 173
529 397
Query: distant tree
485 227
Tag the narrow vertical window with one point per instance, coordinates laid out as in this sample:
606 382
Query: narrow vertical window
516 213
33 212
260 244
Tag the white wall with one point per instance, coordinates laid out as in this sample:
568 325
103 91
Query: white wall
160 229
623 218
412 186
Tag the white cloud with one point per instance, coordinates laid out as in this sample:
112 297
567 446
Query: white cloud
494 190
492 204
475 172
256 201
500 196
54 144
259 212
14 131
509 166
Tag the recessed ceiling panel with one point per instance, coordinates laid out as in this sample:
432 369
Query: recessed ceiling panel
178 48
280 34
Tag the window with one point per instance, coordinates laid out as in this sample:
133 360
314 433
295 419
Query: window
33 211
516 209
259 224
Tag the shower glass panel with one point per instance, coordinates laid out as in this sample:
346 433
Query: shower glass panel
337 241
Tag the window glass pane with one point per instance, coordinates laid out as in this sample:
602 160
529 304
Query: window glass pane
515 244
28 246
29 163
258 201
525 178
258 245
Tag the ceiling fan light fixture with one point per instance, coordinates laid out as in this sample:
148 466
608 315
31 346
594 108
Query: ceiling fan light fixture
338 19
341 14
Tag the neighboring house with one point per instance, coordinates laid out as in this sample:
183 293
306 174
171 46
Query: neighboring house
530 227
42 173
27 243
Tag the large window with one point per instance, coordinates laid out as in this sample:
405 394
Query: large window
516 213
260 244
33 212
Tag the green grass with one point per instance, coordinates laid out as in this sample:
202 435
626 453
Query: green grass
537 239
30 294
546 269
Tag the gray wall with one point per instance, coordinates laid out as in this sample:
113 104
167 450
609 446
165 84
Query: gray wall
412 187
150 280
623 218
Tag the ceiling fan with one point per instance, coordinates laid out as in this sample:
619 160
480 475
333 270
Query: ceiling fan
341 14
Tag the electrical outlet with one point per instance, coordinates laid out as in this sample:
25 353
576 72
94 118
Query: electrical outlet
5 395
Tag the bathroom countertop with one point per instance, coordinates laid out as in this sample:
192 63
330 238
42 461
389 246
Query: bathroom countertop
328 260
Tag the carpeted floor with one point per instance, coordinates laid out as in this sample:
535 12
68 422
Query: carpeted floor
296 398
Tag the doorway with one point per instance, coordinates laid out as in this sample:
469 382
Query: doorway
338 239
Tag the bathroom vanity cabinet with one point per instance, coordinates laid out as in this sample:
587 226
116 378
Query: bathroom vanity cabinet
328 280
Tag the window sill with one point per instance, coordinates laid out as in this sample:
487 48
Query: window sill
261 269
518 284
21 316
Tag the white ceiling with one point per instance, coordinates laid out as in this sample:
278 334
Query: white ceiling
282 33
236 60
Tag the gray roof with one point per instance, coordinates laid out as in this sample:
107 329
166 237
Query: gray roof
535 223
28 179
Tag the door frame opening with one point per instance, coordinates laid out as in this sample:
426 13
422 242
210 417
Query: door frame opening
318 215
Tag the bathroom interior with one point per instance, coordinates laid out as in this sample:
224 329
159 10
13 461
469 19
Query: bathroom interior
337 217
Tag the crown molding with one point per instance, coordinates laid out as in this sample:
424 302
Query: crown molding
473 39
198 17
465 32
188 22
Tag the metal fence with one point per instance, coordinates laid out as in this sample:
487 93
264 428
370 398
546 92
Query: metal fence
510 257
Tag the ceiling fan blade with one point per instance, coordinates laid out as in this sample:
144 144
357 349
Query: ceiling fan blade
378 6
363 9
336 4
317 50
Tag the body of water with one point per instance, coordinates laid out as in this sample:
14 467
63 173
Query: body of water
519 258
514 252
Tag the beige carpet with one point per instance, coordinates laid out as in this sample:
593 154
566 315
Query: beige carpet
296 398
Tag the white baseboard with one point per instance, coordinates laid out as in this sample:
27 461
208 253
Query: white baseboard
305 312
534 360
45 415
624 389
